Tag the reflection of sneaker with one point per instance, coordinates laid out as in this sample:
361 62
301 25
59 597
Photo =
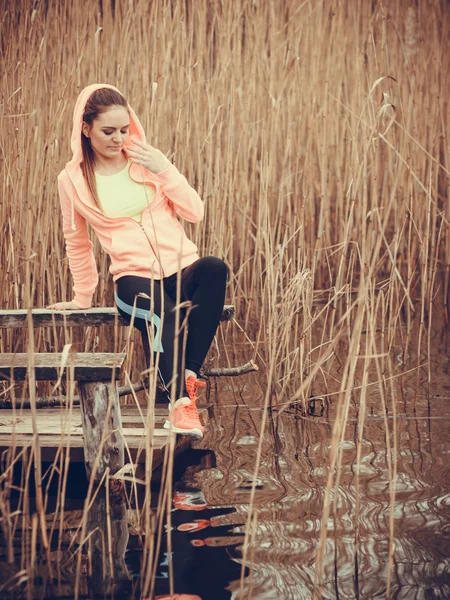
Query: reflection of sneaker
216 542
184 418
192 500
196 525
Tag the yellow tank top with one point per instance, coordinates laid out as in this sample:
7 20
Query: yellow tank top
121 196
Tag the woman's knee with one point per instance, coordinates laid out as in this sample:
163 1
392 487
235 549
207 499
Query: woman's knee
213 265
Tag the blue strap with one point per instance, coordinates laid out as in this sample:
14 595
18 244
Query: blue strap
143 313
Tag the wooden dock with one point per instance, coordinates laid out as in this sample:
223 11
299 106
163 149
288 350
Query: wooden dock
57 427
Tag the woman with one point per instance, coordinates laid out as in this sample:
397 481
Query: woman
131 195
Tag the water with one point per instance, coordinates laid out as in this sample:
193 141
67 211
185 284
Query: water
212 487
290 494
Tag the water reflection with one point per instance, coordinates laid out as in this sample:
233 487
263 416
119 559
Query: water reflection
290 494
205 544
107 530
97 550
202 557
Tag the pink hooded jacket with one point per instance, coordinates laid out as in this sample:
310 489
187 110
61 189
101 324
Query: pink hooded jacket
156 248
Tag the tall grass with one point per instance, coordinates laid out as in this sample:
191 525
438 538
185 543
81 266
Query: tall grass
317 135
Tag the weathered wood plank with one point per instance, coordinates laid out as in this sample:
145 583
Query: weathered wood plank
130 414
131 410
72 427
48 447
136 438
63 432
52 441
98 366
134 432
92 317
135 450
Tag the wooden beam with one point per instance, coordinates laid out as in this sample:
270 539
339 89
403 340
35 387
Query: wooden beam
89 366
92 317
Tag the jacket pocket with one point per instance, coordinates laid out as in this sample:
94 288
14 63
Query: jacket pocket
131 249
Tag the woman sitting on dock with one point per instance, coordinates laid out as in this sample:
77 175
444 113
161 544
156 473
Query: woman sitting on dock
131 195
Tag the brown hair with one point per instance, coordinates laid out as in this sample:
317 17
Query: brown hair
97 103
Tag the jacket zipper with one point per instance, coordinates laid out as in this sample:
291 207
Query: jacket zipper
140 222
150 244
145 233
128 219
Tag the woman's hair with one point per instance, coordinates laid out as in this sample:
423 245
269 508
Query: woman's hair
97 103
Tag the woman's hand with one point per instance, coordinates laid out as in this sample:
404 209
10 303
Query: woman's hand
63 306
147 156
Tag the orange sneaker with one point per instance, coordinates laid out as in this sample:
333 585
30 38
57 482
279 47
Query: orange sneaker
185 417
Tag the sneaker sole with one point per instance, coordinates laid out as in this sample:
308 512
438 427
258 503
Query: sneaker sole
194 432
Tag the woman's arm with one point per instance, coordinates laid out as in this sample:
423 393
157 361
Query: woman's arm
79 250
186 202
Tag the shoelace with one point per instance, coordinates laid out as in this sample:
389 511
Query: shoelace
191 386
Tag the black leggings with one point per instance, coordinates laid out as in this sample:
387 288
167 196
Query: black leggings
203 283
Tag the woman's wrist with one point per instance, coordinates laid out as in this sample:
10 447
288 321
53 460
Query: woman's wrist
83 301
164 169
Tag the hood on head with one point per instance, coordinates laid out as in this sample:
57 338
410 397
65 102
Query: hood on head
73 168
136 131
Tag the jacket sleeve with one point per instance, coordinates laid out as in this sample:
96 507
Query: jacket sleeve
79 250
186 202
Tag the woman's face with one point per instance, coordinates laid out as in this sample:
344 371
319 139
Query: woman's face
109 132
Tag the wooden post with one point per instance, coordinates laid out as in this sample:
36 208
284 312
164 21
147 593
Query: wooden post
94 400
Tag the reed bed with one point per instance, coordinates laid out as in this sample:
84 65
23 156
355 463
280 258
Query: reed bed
317 135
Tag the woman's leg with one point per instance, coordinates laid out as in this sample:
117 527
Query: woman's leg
158 312
203 283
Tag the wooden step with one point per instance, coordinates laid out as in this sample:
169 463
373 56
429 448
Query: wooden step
94 317
59 427
89 366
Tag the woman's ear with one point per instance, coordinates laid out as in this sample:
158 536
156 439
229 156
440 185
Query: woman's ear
85 129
